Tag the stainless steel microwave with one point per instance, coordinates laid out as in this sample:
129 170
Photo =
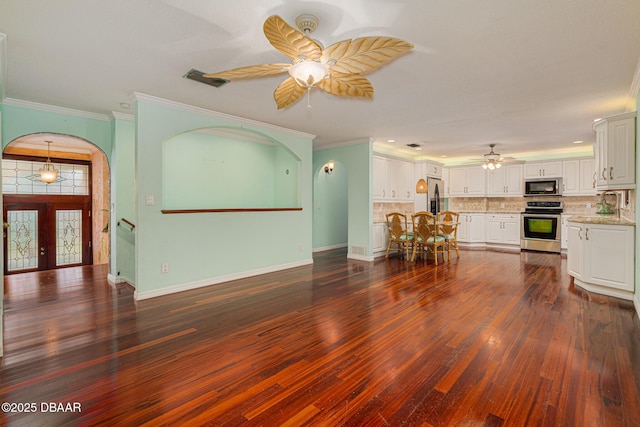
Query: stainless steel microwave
543 187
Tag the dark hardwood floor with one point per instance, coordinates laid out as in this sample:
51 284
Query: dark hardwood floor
490 339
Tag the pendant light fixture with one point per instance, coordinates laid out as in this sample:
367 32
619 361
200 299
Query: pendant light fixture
421 186
48 173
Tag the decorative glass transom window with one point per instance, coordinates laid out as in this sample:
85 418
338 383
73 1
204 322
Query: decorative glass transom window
22 177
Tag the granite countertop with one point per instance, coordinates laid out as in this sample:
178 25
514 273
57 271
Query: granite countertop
601 219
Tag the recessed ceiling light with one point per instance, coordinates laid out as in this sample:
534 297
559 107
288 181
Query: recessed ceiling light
599 118
391 140
125 105
444 155
578 142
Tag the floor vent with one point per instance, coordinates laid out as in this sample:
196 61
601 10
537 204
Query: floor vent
198 76
357 250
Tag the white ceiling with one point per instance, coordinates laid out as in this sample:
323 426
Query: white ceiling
527 75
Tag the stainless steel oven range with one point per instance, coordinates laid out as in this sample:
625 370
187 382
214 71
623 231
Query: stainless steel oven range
540 227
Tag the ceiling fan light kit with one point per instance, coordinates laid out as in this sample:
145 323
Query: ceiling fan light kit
336 69
492 160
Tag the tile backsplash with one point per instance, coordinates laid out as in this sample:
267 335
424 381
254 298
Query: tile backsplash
380 210
577 205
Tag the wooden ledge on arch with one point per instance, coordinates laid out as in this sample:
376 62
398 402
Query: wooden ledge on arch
189 211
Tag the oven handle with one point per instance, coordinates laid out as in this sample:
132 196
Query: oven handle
541 215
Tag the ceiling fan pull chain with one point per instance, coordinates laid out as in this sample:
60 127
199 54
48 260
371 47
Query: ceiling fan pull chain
308 97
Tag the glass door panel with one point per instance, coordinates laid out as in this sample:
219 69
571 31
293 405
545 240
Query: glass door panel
68 237
43 236
22 240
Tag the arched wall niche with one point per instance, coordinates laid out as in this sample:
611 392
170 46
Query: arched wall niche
228 168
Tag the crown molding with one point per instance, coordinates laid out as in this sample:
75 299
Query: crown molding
123 116
203 111
54 109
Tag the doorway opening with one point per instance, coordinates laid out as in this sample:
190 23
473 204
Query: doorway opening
61 224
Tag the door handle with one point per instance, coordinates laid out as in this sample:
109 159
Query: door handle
595 174
579 235
586 234
611 173
603 174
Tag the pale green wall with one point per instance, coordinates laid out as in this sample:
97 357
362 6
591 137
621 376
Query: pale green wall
20 121
204 248
123 185
358 162
207 171
330 208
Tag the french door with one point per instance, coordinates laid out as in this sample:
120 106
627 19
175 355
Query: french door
46 235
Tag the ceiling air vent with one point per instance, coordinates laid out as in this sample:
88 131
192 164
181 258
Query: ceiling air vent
198 76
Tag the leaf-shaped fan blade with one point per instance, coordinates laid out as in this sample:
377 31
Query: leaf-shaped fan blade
290 41
288 92
250 71
347 85
364 53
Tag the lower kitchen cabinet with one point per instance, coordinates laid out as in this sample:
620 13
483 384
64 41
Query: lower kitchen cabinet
379 237
471 228
503 229
600 257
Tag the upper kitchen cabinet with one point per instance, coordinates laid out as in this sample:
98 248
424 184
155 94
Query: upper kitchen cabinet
445 180
467 181
578 177
433 169
543 169
505 181
392 179
615 152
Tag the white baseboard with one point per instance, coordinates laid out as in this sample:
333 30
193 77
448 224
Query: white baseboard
114 280
328 248
360 257
636 304
215 280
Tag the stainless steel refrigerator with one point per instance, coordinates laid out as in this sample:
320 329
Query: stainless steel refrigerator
433 200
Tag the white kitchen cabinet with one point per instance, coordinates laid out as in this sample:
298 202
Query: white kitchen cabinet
615 152
571 177
392 179
430 169
471 228
505 182
380 238
379 178
564 231
575 249
600 258
551 169
578 177
503 229
467 181
587 177
445 181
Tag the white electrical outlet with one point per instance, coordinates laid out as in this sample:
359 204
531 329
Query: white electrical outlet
149 200
164 268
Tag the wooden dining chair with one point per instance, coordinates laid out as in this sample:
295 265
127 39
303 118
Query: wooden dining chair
426 238
399 234
448 222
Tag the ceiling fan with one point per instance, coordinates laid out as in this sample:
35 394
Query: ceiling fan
336 69
493 160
